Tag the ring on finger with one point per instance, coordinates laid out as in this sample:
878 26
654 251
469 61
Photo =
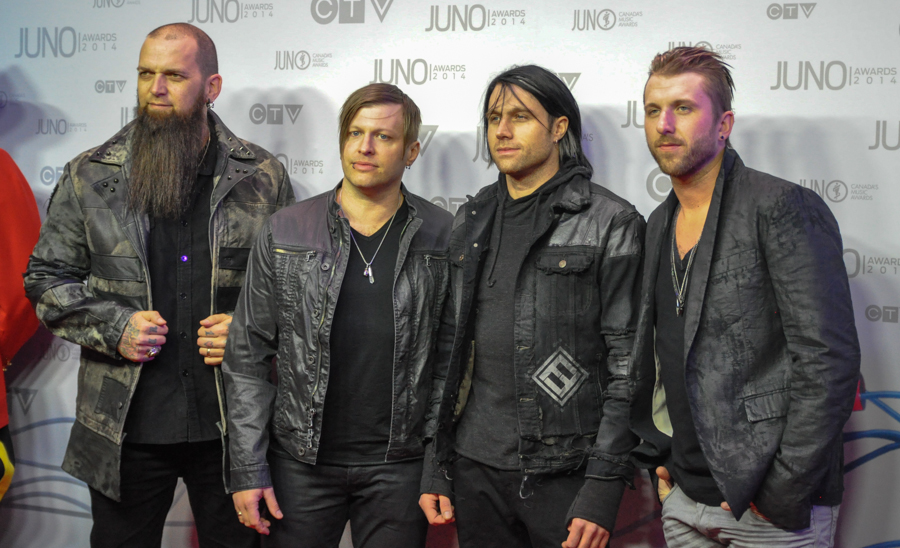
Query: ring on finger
207 353
153 351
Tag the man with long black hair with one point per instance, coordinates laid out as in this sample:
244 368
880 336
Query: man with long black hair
530 408
158 221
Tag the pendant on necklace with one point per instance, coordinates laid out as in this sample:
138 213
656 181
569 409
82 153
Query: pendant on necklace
368 272
679 309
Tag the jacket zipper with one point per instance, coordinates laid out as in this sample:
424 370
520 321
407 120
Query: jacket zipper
311 414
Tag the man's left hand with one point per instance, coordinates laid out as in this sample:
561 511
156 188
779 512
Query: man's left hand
586 534
213 333
753 509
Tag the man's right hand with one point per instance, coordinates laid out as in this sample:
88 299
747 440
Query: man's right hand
437 508
145 330
665 483
246 503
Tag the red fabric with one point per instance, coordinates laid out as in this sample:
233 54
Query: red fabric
20 224
859 404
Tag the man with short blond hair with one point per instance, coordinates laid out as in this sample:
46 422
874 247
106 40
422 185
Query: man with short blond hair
345 289
744 371
158 221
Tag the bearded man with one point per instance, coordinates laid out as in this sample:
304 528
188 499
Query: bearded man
158 221
746 357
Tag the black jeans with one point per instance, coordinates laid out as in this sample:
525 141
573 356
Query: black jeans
381 502
149 476
502 509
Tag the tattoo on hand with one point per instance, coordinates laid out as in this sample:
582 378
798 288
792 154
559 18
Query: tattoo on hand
152 341
210 334
154 329
209 344
130 334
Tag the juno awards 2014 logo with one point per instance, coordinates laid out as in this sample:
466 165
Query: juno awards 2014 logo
228 11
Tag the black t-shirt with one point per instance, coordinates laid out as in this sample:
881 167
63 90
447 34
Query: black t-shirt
488 431
686 464
356 425
175 399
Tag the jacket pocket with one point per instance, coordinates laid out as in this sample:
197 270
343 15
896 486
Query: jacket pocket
116 267
565 283
234 258
119 278
768 405
112 399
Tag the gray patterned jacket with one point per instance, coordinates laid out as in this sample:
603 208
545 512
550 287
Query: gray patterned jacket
88 275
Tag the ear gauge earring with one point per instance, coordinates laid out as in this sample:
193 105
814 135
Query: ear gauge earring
407 167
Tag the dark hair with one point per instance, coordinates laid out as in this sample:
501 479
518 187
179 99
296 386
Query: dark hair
207 59
708 64
553 94
381 94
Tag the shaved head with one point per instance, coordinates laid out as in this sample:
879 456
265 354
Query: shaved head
207 59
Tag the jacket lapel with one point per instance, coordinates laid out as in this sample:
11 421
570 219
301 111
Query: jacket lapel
115 153
655 247
229 172
703 260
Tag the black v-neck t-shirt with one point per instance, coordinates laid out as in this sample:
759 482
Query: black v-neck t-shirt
356 424
686 464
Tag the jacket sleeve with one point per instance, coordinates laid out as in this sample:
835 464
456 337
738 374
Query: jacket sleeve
434 477
804 256
609 467
285 191
246 370
57 270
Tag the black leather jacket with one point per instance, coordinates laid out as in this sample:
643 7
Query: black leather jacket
576 300
771 352
286 310
90 235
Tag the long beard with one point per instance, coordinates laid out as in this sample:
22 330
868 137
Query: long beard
165 153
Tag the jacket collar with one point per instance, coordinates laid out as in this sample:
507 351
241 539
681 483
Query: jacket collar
116 151
703 259
571 196
334 210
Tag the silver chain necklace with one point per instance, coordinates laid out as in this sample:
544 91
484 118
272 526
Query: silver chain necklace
681 288
368 272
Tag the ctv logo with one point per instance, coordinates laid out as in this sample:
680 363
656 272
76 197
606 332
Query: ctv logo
347 11
109 86
569 78
426 134
886 314
50 175
789 11
274 114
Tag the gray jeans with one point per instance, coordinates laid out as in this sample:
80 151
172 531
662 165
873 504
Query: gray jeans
689 524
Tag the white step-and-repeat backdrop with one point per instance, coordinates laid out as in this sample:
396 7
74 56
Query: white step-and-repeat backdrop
817 103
